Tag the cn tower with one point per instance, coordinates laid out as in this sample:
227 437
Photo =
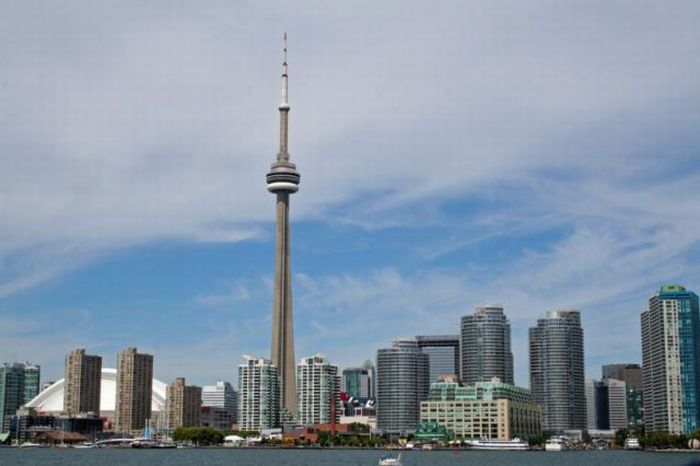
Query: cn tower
283 180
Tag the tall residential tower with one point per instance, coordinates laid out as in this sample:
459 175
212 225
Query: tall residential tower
283 180
556 370
485 343
134 390
671 361
81 393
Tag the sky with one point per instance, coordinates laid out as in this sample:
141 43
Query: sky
540 155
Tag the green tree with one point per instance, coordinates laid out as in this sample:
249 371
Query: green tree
620 437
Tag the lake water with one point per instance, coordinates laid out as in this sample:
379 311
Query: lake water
276 457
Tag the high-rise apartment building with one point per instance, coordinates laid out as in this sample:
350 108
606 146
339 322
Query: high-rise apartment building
83 376
183 404
318 388
557 370
606 404
671 361
258 395
19 383
485 346
443 354
224 398
402 383
134 390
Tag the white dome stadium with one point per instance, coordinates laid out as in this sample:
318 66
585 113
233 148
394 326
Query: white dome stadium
50 400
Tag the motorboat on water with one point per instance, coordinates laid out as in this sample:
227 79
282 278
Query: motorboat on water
632 443
555 444
390 461
492 444
31 445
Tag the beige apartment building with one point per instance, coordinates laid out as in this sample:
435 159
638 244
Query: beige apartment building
184 404
134 391
83 376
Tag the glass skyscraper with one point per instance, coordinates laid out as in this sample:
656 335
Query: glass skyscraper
557 370
19 383
485 346
402 383
443 354
671 361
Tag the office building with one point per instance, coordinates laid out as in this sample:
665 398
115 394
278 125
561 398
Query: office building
606 404
443 354
318 386
184 404
402 383
258 395
19 383
485 346
222 396
83 378
631 374
356 382
482 410
557 370
671 361
134 388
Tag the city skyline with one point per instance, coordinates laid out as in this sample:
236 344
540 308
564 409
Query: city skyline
466 162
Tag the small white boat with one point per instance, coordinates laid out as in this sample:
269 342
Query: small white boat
390 461
555 444
84 445
31 445
505 445
632 443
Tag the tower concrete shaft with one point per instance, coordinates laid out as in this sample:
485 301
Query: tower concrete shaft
283 180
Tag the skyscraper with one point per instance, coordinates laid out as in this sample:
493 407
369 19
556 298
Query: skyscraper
485 341
356 382
258 395
443 354
81 392
557 370
671 361
403 381
19 383
606 404
183 404
283 180
318 385
631 374
134 390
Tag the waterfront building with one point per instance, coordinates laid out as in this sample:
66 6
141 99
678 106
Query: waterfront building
258 395
443 354
481 410
222 396
134 388
485 346
184 404
671 361
81 393
606 404
50 400
283 180
318 386
356 382
402 383
631 374
19 383
557 370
